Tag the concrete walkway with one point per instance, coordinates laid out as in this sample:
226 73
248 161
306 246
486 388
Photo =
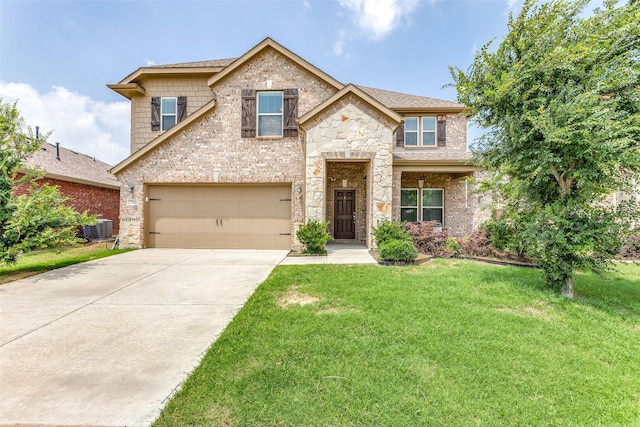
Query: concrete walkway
105 343
337 253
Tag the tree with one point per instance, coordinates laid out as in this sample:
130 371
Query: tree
39 219
560 99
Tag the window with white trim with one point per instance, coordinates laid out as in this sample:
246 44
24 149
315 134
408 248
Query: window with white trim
433 204
270 113
429 207
409 204
420 131
168 112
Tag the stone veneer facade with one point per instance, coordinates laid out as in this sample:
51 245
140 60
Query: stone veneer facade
350 130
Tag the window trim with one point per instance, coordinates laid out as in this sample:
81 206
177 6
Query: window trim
163 114
259 114
416 207
420 207
421 131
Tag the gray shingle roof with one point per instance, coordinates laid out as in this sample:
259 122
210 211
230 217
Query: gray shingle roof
72 165
395 100
197 64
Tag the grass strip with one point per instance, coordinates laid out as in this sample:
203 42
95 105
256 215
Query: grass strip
39 262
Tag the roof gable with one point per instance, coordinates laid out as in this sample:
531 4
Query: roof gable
270 43
345 91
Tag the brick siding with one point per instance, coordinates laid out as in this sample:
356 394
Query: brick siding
104 202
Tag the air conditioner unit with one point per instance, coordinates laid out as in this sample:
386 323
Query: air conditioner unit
102 230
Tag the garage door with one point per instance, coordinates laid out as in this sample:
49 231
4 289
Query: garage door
234 217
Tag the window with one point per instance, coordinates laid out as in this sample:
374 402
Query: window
420 131
409 204
168 112
433 204
270 113
430 207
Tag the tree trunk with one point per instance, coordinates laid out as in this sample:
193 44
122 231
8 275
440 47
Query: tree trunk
567 289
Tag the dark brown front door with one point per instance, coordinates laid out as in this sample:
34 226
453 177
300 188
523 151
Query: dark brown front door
345 215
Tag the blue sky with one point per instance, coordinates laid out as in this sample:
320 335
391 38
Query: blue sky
56 57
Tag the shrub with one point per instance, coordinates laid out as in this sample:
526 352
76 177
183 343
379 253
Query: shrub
389 230
314 236
631 249
453 245
478 243
500 233
428 240
397 250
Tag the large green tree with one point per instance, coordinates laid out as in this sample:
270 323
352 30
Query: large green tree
560 101
39 219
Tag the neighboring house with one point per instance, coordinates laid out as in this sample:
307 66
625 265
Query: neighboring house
238 153
84 179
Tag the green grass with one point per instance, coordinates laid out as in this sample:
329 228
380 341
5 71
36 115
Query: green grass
449 343
39 262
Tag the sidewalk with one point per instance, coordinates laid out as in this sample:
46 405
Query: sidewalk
337 253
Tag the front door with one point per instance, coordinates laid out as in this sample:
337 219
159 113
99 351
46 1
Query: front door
345 215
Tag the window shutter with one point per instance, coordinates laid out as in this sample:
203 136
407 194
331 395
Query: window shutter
400 135
182 108
442 133
248 113
290 112
155 113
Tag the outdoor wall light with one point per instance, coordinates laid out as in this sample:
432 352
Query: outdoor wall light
420 183
345 182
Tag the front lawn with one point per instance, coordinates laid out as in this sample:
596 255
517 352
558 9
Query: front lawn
41 261
448 343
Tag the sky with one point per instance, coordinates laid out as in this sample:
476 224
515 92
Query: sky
56 57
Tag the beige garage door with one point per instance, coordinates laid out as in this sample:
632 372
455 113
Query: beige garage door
234 217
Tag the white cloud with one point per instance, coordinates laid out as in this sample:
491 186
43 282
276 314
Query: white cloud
379 18
78 123
150 63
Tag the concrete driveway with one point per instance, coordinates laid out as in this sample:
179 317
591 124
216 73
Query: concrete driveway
107 342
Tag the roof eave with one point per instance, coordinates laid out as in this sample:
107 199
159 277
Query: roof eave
128 90
424 110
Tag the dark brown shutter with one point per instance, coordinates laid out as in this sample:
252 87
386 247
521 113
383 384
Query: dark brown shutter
248 113
400 135
442 133
182 108
290 112
155 113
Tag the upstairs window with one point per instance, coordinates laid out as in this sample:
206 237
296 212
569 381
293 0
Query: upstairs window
420 131
166 112
270 113
426 131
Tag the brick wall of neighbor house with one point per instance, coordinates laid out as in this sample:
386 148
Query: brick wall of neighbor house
460 202
104 202
356 175
213 151
456 136
194 88
350 130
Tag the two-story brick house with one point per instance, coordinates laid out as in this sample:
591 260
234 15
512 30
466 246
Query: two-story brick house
238 153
